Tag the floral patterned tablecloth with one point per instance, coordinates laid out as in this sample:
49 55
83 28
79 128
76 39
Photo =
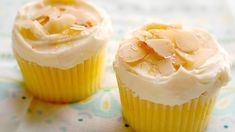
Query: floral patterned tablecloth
20 112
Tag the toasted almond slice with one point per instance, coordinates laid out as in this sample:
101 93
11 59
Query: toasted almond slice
152 58
28 34
184 56
161 26
142 66
162 47
186 41
147 69
153 70
42 19
60 24
144 46
163 34
72 31
131 51
165 67
177 61
51 12
142 35
202 55
89 23
78 27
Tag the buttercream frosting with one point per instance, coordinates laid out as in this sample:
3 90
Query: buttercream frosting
171 64
60 34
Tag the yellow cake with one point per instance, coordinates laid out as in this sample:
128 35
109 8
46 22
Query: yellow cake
60 48
168 77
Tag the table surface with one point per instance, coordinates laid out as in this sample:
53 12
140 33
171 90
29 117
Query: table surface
20 112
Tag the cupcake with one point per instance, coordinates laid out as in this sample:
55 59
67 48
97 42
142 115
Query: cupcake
169 76
60 48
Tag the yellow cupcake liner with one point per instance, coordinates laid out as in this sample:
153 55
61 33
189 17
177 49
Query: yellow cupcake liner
63 86
146 116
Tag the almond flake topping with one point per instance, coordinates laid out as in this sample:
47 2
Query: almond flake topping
78 27
163 34
60 18
131 51
162 47
42 19
64 22
152 58
89 23
165 67
184 56
74 30
177 61
143 35
187 41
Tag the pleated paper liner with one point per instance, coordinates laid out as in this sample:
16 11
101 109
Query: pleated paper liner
63 86
146 116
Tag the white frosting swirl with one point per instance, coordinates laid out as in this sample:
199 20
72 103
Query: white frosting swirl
56 43
180 86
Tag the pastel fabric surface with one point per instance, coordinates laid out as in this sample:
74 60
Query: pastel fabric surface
20 112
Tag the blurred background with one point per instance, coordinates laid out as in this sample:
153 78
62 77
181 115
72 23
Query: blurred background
20 110
217 16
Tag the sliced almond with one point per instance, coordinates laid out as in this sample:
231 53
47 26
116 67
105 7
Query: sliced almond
153 70
162 47
74 30
186 41
147 69
144 46
142 35
28 34
51 12
165 67
152 58
202 55
62 23
184 56
131 51
42 19
142 66
89 23
163 34
177 61
78 27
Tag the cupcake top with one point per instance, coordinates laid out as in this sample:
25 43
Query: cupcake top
171 64
60 34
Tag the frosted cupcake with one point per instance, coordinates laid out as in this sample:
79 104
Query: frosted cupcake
60 48
169 77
